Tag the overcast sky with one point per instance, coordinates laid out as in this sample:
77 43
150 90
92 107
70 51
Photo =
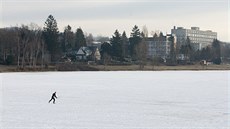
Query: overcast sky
103 17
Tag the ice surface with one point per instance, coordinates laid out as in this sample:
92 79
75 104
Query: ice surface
116 100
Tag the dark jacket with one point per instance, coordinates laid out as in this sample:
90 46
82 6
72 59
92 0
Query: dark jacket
54 95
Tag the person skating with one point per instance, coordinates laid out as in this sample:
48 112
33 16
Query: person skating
53 98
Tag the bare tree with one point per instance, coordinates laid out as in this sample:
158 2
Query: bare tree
24 38
30 45
89 39
106 59
154 62
141 49
23 43
145 31
35 44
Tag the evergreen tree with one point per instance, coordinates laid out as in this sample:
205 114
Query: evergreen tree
197 55
80 40
125 45
161 34
161 37
50 33
186 49
135 39
135 32
116 43
68 42
216 51
206 53
172 49
155 36
106 48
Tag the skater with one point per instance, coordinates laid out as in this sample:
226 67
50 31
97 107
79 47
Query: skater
53 98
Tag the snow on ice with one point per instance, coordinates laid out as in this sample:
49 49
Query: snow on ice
116 100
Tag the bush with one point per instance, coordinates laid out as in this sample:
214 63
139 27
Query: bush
9 60
217 61
74 67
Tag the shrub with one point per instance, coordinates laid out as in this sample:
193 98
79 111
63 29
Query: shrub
9 60
217 61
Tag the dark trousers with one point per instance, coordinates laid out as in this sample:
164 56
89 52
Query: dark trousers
51 100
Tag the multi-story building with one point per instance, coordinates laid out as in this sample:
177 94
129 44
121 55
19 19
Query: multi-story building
158 47
199 38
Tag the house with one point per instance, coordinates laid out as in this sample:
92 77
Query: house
90 53
83 53
95 56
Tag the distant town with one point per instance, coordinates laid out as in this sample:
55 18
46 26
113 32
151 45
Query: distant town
31 46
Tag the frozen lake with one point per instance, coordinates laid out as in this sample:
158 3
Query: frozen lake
116 100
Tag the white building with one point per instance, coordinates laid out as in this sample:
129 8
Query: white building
158 47
199 38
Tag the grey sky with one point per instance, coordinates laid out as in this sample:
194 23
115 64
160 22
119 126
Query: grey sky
102 17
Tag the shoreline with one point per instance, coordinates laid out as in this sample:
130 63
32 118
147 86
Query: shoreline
6 69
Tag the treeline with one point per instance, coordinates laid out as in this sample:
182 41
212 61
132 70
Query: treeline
22 45
31 45
216 52
136 48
